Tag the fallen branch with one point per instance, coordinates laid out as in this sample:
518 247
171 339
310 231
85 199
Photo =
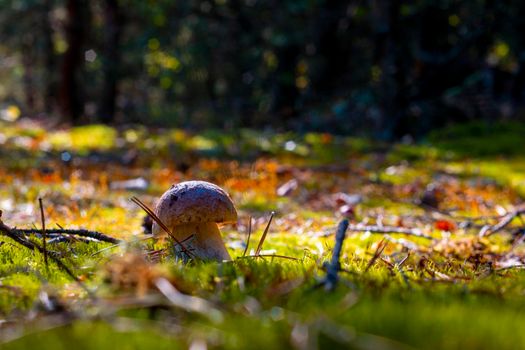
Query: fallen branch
80 232
488 230
11 233
388 230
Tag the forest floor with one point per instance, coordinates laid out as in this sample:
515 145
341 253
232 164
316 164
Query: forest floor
453 279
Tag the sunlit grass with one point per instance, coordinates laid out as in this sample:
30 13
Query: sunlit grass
438 299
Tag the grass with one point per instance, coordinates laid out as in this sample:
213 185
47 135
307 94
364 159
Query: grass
453 293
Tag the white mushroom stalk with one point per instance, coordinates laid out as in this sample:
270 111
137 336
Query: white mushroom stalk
194 208
206 242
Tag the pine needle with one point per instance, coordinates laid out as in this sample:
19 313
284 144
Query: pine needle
160 223
44 244
249 235
263 237
380 248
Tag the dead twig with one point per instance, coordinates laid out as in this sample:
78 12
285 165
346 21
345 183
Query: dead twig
263 237
389 229
488 230
333 268
44 244
386 230
73 232
249 235
377 254
161 224
9 232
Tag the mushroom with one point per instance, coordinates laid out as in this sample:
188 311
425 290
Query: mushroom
195 208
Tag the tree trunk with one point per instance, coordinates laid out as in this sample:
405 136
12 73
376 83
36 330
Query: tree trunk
387 56
28 79
285 93
49 93
113 28
71 100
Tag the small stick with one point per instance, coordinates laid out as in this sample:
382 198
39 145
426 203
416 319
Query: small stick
249 234
380 248
9 232
334 267
263 237
79 232
44 244
389 229
161 224
505 220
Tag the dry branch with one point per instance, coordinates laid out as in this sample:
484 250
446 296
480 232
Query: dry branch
42 216
488 230
332 269
11 233
80 232
388 230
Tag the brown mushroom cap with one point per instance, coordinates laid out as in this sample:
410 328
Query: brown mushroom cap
194 202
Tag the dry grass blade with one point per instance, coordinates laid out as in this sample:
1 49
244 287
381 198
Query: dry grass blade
269 256
402 262
399 267
380 248
44 244
249 235
118 244
263 237
105 249
187 302
161 224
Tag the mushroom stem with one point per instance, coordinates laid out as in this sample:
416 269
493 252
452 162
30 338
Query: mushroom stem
207 243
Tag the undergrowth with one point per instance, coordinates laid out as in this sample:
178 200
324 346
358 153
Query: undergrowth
456 290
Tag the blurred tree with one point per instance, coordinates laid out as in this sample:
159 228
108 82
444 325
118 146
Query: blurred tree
50 80
71 95
112 32
376 67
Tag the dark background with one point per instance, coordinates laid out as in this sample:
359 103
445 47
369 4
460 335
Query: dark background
379 68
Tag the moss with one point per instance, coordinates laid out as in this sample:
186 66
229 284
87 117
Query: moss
270 302
481 139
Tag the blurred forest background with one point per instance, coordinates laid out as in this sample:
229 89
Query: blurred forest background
379 68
